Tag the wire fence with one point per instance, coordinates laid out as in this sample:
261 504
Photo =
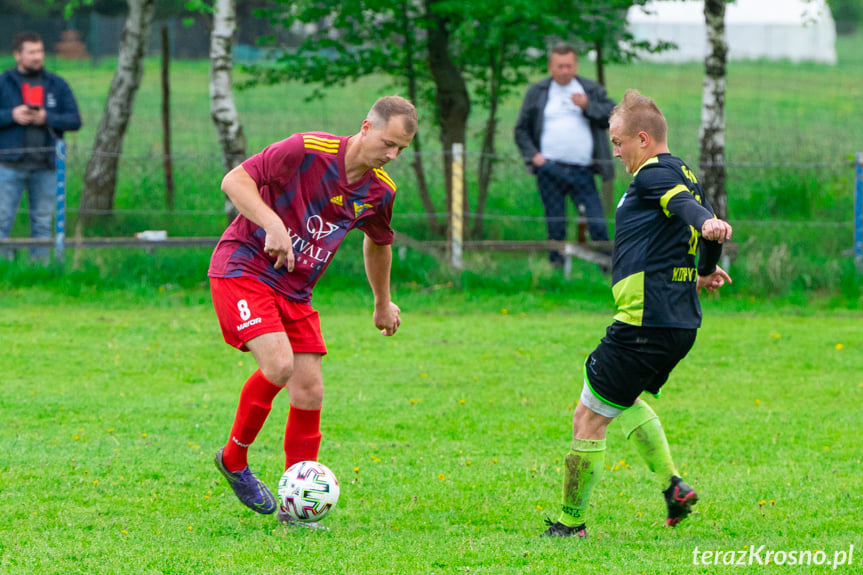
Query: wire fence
814 194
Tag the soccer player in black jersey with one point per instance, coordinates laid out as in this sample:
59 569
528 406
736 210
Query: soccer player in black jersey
662 222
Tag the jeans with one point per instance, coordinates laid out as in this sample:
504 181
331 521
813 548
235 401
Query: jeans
41 188
556 181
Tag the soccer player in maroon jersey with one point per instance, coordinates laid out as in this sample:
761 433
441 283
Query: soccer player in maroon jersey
297 200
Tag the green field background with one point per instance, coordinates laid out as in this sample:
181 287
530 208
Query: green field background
792 132
448 440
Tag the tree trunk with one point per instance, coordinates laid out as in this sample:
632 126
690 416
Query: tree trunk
712 134
451 97
100 179
222 108
167 160
417 163
487 154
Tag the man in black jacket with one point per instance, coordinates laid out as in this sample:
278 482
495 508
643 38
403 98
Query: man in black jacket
562 135
36 107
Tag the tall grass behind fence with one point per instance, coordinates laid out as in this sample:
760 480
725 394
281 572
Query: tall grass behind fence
792 131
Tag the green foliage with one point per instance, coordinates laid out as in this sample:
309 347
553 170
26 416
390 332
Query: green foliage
848 15
448 440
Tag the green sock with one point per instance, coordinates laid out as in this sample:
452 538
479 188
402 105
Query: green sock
583 470
642 425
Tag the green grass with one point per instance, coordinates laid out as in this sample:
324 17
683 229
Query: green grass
113 406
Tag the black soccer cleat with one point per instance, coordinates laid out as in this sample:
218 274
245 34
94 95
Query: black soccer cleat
679 498
558 529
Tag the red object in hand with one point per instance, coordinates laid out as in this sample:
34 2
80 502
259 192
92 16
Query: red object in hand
34 96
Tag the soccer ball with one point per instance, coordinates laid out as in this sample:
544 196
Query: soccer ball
308 491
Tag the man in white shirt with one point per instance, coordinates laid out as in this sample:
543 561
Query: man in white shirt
562 133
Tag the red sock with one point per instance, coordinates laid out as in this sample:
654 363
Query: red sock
256 400
302 435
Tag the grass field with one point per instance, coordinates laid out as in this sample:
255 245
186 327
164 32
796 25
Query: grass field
448 440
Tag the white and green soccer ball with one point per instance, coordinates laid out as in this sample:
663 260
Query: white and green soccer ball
308 491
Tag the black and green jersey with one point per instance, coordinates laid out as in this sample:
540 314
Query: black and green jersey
657 235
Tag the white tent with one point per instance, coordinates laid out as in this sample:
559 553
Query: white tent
795 30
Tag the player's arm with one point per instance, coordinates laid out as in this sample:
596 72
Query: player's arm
378 261
243 192
712 230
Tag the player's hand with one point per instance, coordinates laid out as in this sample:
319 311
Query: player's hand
714 281
716 230
278 245
386 318
580 100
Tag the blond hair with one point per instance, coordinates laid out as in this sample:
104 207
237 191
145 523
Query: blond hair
639 113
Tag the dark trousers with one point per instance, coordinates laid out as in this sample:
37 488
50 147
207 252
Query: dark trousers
556 181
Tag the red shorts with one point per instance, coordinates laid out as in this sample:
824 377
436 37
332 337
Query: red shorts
247 308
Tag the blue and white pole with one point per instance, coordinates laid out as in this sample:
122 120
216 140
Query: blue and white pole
60 228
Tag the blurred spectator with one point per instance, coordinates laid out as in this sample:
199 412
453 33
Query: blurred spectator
36 107
562 133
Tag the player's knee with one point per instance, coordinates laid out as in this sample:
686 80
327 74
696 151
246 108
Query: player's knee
307 393
278 370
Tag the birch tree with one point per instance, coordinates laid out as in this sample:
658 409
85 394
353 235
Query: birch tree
100 179
712 133
222 109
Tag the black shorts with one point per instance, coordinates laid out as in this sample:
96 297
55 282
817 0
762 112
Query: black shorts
630 360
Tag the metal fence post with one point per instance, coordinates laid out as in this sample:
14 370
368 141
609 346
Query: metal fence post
457 205
858 213
60 227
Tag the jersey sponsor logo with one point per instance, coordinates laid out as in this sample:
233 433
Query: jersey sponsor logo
338 200
360 207
249 323
308 249
319 228
684 275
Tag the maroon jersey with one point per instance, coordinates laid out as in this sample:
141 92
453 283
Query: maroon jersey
302 179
